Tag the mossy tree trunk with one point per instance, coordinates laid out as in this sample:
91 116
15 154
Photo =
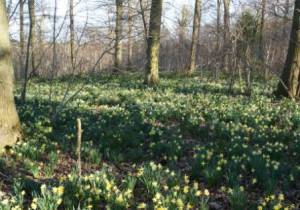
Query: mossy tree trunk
289 84
195 39
118 34
152 67
9 120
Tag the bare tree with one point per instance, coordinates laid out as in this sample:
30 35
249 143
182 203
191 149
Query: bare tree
31 9
226 35
72 32
29 49
22 39
130 26
195 38
261 49
118 34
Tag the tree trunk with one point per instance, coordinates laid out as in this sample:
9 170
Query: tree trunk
218 44
261 53
54 53
152 77
9 120
29 46
195 38
72 33
144 20
226 35
31 9
22 40
129 47
286 9
118 34
289 84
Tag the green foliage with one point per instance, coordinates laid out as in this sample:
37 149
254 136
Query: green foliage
138 143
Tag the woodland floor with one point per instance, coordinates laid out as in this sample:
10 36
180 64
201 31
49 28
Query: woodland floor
189 143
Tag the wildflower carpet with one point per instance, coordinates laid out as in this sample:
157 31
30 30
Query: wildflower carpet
187 144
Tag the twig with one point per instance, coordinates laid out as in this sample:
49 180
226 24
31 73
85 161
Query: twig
78 149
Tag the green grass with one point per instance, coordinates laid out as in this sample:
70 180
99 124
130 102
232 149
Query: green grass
188 143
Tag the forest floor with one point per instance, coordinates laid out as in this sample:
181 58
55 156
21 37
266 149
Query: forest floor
187 144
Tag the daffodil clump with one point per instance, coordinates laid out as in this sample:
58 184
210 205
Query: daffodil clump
168 190
50 198
275 202
99 189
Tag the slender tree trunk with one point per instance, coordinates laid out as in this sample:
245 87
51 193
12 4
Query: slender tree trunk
54 54
195 39
31 22
144 20
289 84
226 35
261 53
9 120
152 68
42 26
118 34
218 44
22 39
129 47
72 33
31 9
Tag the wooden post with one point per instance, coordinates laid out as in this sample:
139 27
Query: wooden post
78 149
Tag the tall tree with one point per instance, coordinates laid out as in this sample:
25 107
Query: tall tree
118 34
30 46
218 42
195 38
72 32
31 9
9 120
130 25
290 78
226 34
261 50
182 25
54 48
143 15
152 68
22 40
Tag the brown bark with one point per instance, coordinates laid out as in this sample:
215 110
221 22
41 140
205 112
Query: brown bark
261 55
152 68
22 39
289 84
9 120
226 35
29 49
129 47
195 38
31 9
